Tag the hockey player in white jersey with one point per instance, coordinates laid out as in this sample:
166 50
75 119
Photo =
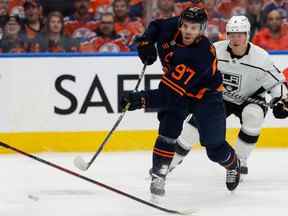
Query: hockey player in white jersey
247 71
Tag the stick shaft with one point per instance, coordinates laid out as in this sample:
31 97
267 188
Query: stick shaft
116 124
248 99
70 172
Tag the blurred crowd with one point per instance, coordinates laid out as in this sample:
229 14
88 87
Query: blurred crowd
112 25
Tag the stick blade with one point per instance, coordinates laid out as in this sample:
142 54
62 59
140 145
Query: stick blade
80 163
192 212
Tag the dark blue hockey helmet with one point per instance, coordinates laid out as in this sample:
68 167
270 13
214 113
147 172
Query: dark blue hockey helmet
195 15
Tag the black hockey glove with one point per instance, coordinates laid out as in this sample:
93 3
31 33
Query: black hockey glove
280 110
136 100
147 52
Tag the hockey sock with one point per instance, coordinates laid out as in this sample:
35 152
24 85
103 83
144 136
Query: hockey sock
163 153
245 145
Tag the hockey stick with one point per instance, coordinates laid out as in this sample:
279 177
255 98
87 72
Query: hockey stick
271 104
70 172
79 161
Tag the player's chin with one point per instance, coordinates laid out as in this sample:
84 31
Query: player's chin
188 40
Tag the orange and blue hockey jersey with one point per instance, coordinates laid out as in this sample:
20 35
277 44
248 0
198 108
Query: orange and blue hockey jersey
188 70
82 29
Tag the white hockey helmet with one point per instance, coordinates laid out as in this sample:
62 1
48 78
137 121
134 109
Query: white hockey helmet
238 24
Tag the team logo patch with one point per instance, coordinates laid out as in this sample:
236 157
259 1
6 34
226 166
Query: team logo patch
232 82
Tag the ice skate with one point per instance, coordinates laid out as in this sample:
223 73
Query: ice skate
169 169
233 177
157 186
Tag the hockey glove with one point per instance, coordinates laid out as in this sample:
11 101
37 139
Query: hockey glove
280 110
147 52
136 100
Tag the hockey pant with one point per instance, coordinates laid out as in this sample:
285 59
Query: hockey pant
210 120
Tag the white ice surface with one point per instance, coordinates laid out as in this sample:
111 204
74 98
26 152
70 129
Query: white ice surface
30 188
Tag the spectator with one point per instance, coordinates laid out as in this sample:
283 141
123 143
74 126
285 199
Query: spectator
213 33
285 72
12 41
229 7
181 5
255 15
99 7
216 22
15 8
3 8
136 8
1 32
53 38
165 9
96 4
63 6
281 5
3 16
168 8
81 24
275 35
238 11
125 26
107 40
212 11
33 22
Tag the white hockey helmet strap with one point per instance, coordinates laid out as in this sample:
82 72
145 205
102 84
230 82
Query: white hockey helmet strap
238 24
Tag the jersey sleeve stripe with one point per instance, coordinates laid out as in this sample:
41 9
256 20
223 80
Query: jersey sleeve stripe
173 84
172 87
277 69
266 71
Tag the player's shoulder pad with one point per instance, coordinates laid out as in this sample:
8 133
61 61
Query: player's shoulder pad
260 55
205 43
206 50
259 51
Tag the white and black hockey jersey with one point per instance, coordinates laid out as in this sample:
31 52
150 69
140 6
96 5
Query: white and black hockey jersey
251 75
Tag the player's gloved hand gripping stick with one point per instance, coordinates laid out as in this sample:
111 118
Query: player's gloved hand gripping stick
79 161
278 105
270 104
